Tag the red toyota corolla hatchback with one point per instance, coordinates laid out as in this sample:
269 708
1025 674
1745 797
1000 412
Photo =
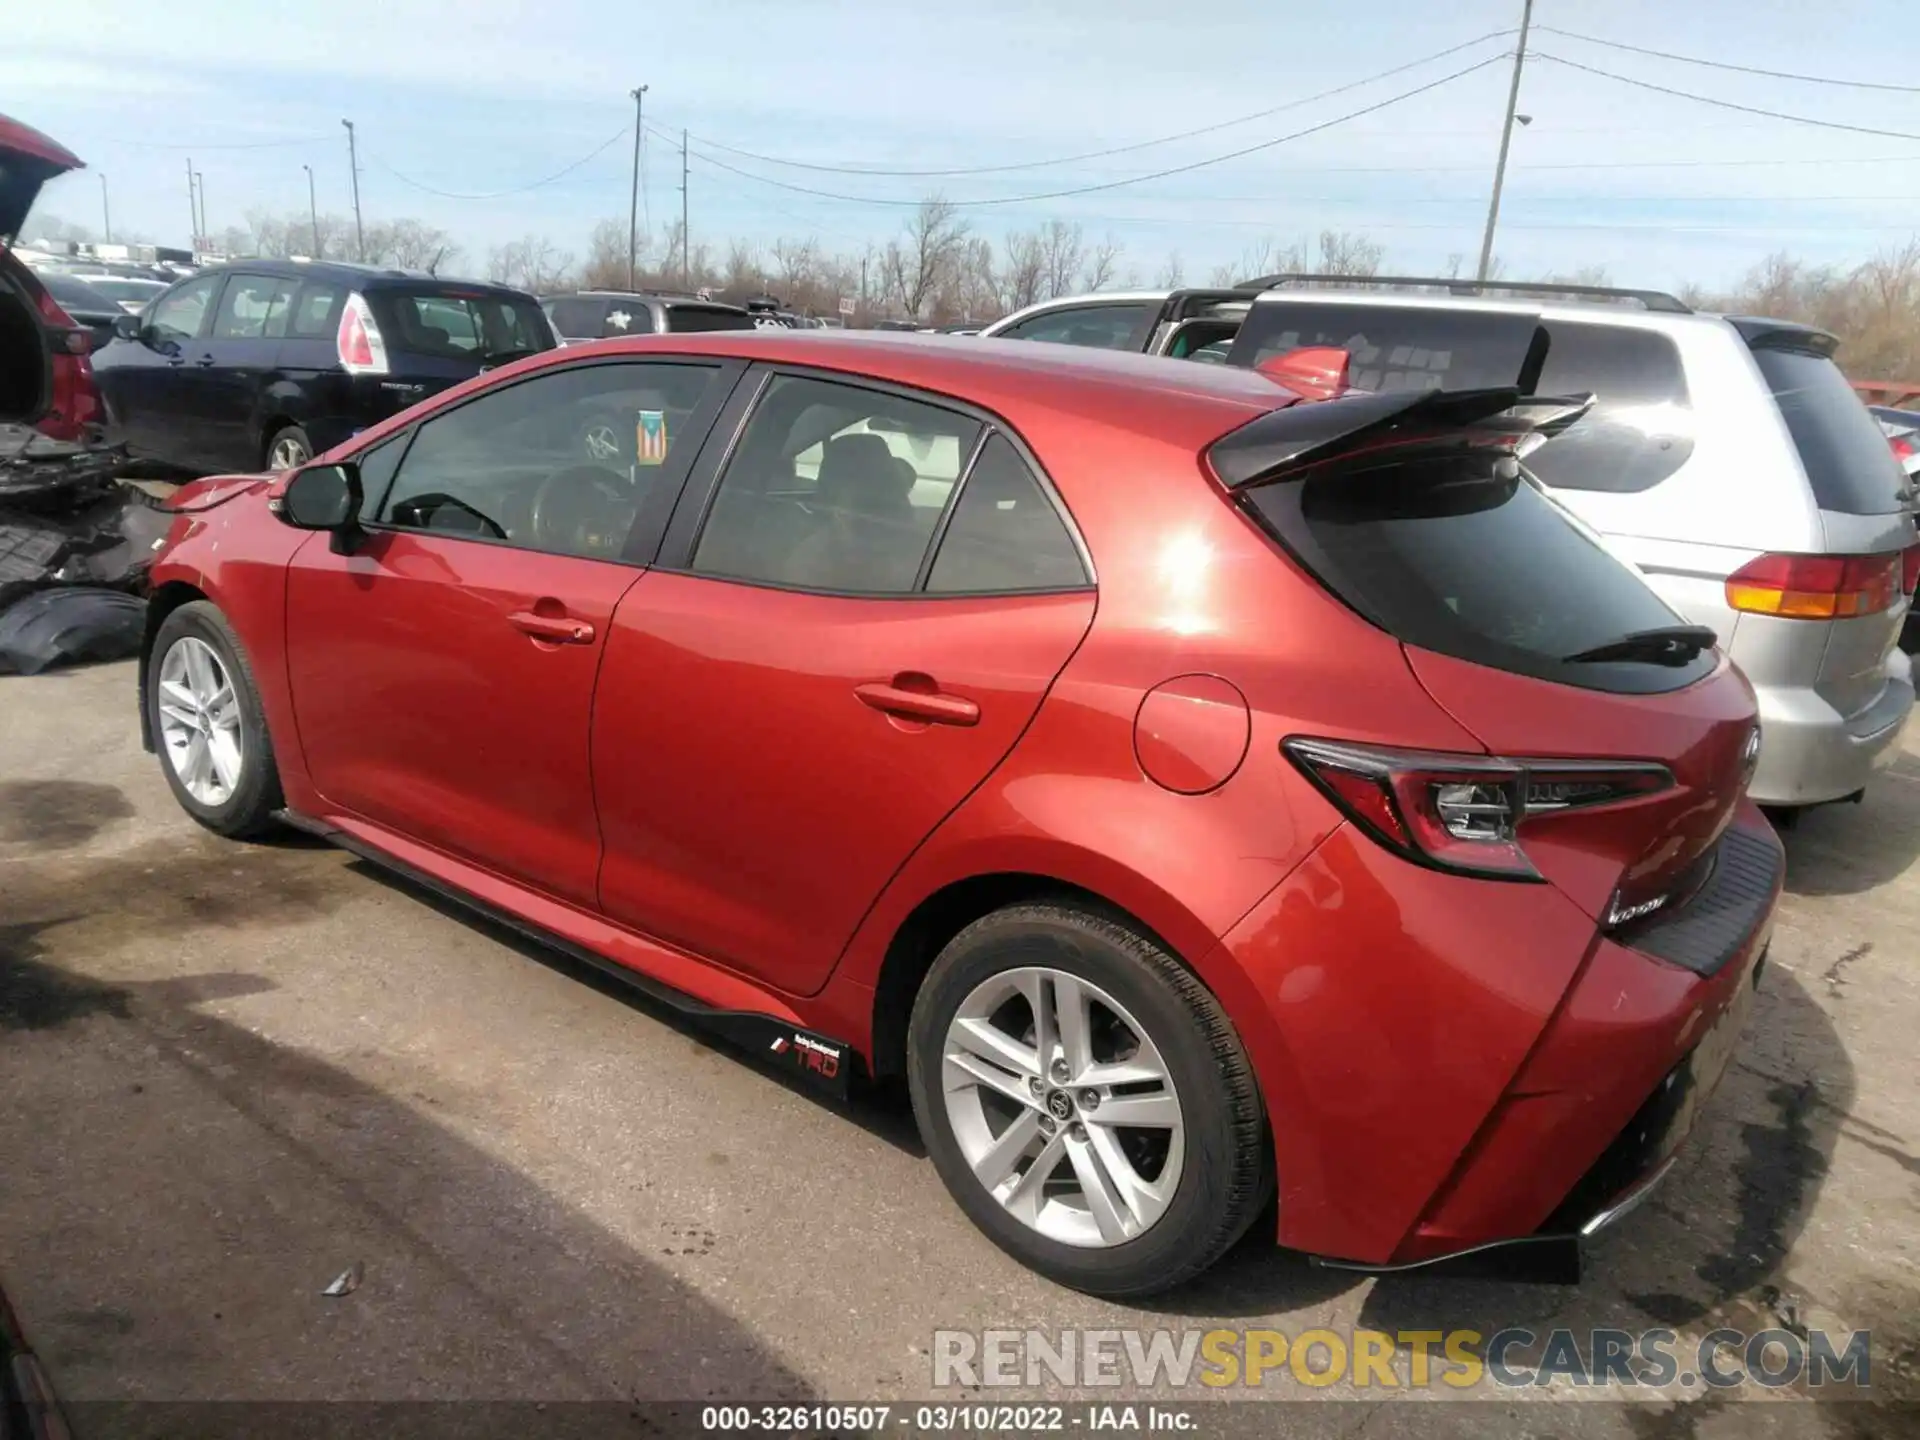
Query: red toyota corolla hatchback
1189 790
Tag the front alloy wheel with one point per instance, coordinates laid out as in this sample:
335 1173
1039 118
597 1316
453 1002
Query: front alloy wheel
1063 1107
289 451
200 728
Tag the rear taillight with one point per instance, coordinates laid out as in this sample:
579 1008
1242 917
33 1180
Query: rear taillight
1909 568
1815 587
1903 445
1462 812
362 349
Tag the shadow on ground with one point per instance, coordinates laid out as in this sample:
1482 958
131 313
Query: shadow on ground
179 1190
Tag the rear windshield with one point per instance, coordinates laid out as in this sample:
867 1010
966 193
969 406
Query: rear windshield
460 324
1639 431
687 319
1464 555
579 319
1845 454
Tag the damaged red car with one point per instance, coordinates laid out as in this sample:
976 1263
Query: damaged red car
46 381
1213 804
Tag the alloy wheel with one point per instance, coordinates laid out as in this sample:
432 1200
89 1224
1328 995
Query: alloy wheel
200 721
1063 1107
287 454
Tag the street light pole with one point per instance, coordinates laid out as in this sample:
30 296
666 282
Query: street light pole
686 238
200 195
1506 139
353 169
193 210
633 203
106 215
313 213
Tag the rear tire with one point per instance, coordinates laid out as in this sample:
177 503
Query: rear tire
1122 1209
288 448
208 727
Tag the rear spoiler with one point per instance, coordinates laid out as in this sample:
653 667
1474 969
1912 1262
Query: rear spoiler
1285 443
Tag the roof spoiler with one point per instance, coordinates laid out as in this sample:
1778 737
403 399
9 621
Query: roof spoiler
1284 444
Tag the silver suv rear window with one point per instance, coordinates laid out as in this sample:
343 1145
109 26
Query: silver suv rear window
1845 454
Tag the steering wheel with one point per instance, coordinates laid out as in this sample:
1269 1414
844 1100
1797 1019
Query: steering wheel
582 508
600 443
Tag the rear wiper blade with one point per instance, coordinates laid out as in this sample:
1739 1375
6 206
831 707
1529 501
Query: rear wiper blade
1667 645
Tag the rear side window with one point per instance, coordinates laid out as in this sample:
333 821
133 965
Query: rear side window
1005 534
247 304
1101 327
460 324
1462 554
1846 456
316 314
691 319
579 319
1640 429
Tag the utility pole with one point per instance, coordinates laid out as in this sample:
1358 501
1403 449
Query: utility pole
1506 139
353 169
106 215
313 213
686 240
633 203
193 211
200 193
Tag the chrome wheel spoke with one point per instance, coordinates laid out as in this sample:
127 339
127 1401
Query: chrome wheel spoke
200 721
225 754
1003 1157
1030 1065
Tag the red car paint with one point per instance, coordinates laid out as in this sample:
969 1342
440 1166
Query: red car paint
736 790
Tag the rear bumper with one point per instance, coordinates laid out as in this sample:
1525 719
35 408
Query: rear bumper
1482 1068
1810 753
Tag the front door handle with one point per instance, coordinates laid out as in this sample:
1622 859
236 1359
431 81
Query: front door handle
914 703
206 360
559 629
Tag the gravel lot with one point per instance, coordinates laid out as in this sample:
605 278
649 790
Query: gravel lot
228 1073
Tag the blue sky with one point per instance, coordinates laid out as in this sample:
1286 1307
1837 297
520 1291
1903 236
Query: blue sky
486 96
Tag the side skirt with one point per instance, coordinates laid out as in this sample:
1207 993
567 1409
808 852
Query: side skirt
821 1060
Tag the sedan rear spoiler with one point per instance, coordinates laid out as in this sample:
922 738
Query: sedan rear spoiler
1286 443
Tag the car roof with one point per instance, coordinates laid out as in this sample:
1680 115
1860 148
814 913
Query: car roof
1092 297
347 272
1196 403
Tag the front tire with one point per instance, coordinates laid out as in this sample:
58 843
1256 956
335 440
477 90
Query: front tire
289 448
208 727
1086 1100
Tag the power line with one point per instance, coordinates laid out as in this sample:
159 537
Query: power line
596 152
1724 65
1115 150
1131 180
1727 104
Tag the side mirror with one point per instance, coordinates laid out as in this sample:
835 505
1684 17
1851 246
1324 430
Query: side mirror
128 327
1313 372
325 497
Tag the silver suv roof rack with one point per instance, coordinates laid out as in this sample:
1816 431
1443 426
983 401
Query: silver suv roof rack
1652 299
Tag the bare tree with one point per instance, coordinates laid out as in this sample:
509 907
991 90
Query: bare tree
1344 253
1101 262
1172 273
531 263
606 263
916 266
745 275
1019 276
794 262
413 245
1062 249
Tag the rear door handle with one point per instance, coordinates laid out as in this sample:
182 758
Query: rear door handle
205 360
560 629
934 707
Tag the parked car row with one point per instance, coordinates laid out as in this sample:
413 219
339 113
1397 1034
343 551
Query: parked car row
1159 767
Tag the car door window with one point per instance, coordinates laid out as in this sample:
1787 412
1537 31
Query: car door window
1005 534
1104 327
835 488
561 462
246 305
180 315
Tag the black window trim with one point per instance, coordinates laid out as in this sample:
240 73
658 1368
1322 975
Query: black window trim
643 540
682 540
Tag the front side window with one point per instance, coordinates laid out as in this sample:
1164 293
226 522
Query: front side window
1101 327
180 315
835 488
560 463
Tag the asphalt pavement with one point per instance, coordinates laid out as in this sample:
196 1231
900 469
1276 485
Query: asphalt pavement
232 1074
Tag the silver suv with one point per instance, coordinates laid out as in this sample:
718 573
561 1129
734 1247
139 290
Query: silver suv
1726 457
